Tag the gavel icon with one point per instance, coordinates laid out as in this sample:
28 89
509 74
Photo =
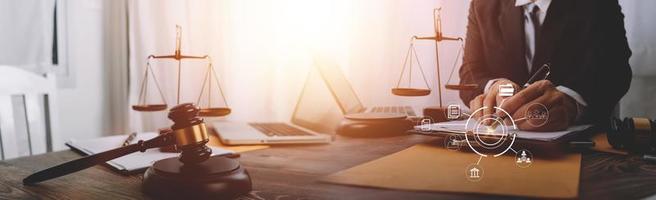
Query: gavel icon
188 133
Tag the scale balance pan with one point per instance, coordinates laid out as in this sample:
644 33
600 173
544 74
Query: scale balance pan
149 107
214 112
410 92
465 87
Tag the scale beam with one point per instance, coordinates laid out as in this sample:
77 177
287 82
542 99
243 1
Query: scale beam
439 39
177 57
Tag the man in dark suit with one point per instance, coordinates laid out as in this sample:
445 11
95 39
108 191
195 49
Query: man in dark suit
582 41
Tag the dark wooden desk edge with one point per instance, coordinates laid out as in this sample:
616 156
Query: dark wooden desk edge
292 171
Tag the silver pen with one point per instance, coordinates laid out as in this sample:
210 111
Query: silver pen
130 138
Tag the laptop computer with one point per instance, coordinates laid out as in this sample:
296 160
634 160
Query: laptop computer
344 94
315 117
310 123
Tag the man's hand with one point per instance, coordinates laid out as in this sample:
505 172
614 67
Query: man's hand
561 107
489 99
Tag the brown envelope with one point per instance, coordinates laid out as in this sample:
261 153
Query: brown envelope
429 168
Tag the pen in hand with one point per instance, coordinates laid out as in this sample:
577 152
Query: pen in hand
546 68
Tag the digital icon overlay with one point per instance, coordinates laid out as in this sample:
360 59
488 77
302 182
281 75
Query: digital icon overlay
453 142
537 115
453 111
524 158
474 173
425 124
489 136
506 90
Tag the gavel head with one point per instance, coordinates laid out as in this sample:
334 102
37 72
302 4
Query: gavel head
635 134
189 133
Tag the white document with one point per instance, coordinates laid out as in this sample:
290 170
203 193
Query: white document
460 127
131 162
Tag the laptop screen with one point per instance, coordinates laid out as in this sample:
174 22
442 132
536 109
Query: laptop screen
316 108
339 86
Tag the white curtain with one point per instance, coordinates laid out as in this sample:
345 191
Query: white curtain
27 33
639 17
262 49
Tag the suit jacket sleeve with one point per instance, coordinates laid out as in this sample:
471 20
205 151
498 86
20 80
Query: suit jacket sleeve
607 74
473 68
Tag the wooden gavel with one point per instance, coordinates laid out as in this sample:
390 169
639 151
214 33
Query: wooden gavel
188 133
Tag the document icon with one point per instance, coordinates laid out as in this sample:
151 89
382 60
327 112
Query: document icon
506 90
453 111
426 124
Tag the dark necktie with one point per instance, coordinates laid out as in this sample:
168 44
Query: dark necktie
534 16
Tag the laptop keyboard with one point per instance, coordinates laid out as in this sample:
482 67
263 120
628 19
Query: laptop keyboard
394 109
279 129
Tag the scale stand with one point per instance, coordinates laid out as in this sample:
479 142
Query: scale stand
210 78
436 113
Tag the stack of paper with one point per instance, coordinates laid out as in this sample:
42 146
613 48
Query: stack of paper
133 162
461 127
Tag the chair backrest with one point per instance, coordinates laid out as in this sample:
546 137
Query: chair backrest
24 113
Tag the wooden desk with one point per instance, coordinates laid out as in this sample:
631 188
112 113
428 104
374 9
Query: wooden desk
291 171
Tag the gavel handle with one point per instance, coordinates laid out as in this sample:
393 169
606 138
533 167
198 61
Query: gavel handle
90 161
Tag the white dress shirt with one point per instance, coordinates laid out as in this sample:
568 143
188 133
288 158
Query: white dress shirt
529 34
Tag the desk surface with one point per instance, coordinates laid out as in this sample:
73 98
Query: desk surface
291 172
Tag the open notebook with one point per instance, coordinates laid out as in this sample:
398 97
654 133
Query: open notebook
459 127
135 162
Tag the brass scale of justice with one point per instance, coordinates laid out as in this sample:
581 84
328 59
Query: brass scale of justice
410 91
210 76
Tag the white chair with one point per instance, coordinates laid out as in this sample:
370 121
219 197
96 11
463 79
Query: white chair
25 127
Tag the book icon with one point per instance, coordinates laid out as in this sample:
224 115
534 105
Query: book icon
506 90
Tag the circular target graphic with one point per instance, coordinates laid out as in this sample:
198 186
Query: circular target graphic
487 138
490 134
